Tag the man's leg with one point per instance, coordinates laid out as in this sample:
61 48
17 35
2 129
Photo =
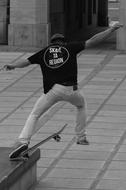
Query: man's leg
30 127
78 100
41 106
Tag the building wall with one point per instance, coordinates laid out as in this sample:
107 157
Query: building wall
56 16
121 33
3 21
32 22
71 17
103 13
113 10
28 23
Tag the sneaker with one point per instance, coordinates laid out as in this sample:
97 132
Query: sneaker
82 140
19 147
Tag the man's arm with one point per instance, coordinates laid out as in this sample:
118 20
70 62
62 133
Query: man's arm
19 64
96 39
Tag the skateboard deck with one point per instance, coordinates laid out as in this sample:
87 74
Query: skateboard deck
24 155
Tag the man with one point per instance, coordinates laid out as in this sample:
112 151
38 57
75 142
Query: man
58 63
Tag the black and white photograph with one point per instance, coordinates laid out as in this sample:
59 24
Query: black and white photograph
62 94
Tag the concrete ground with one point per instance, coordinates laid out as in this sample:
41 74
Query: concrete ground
66 165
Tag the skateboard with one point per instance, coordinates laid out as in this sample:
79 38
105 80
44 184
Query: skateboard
25 154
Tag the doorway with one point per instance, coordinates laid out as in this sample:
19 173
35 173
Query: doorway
4 18
103 13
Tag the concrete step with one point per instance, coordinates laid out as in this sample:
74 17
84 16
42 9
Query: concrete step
17 175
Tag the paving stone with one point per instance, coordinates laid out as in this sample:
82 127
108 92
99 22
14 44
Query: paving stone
111 119
122 148
86 155
73 173
79 164
65 183
50 153
44 162
103 139
40 171
111 185
120 157
114 107
118 165
106 132
106 125
54 145
119 114
93 147
64 117
124 142
115 174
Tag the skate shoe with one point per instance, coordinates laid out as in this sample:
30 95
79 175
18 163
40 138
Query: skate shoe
82 140
18 148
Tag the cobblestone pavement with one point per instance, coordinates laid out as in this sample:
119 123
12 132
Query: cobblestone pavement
66 165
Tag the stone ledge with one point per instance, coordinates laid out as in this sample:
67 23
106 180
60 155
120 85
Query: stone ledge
17 175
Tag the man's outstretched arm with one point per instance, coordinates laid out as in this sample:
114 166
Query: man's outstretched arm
18 64
96 39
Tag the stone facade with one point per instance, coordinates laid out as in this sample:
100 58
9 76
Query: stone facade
28 23
121 34
113 10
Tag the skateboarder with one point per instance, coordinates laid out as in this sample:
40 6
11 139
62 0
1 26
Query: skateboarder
58 63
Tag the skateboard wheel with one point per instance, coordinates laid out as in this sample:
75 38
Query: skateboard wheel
57 138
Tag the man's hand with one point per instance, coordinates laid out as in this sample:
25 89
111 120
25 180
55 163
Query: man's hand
115 25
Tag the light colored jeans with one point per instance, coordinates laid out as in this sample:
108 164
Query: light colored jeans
57 93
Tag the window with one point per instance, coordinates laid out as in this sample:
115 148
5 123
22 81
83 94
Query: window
94 6
90 4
